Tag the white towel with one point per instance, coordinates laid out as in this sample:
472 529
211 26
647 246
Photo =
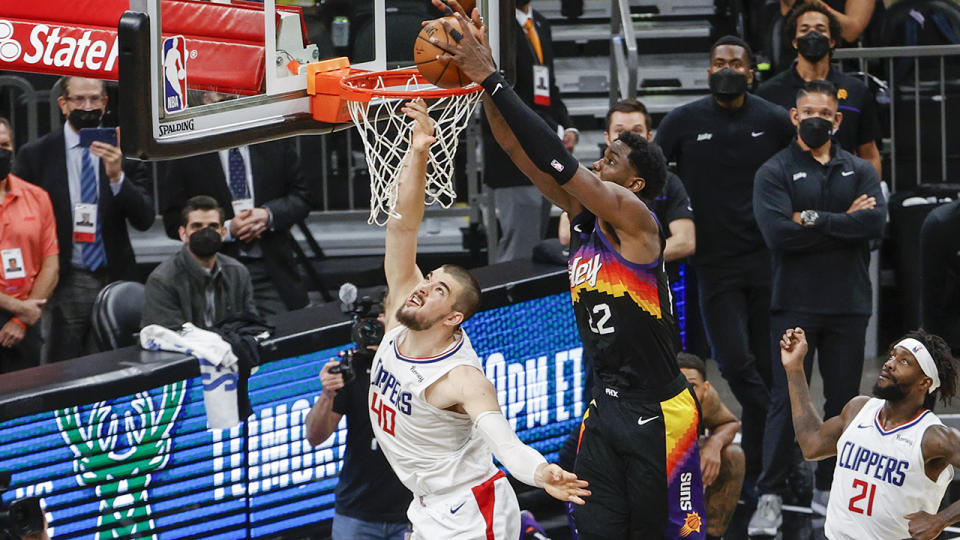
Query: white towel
218 367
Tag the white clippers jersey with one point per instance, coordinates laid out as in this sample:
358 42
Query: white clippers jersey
431 450
880 477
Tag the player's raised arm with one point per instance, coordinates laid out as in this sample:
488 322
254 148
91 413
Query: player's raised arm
615 204
817 438
400 256
466 388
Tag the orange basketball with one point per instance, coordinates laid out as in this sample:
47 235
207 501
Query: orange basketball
442 73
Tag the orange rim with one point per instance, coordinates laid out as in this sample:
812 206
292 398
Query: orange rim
362 86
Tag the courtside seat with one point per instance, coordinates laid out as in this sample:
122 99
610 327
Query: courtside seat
116 314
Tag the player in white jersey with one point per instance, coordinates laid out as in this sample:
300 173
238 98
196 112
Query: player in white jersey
433 411
894 456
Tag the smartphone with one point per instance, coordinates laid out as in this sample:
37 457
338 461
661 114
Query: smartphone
107 135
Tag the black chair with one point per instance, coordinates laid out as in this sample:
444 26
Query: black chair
116 314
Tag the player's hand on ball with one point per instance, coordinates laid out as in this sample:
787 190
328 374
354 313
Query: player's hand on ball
560 484
422 136
471 54
793 348
924 526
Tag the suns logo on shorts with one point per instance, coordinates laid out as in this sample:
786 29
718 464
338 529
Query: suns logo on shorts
691 524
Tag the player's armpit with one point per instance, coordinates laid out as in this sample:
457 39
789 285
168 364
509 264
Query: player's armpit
635 225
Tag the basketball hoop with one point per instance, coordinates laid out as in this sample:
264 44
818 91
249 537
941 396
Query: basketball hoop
374 100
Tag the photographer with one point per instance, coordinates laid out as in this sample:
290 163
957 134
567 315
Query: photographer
370 501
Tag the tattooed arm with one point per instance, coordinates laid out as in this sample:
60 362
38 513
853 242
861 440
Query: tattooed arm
817 438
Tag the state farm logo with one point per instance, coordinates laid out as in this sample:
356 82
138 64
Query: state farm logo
9 48
59 46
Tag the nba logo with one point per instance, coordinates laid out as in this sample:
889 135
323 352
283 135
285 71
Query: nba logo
174 74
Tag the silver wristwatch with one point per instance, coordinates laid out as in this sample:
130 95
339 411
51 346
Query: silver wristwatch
808 218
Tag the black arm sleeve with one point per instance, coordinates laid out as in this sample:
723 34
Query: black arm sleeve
540 143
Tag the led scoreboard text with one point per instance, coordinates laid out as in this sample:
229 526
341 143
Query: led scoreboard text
145 465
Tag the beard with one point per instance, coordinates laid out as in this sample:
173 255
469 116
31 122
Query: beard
410 320
894 392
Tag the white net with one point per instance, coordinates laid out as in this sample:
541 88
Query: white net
386 137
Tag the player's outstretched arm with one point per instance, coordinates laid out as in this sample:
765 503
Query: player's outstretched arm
508 141
400 255
817 439
613 203
465 388
941 447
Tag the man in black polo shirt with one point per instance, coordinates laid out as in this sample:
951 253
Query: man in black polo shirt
370 500
718 143
814 28
818 207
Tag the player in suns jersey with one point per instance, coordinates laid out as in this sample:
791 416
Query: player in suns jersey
894 456
638 441
434 413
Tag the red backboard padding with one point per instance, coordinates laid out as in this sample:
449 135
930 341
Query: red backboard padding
66 37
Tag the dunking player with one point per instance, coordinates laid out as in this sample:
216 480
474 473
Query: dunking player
638 443
894 456
433 412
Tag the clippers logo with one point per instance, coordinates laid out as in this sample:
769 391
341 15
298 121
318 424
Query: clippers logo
9 48
174 74
59 46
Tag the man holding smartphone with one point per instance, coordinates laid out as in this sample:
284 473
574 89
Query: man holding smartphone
92 180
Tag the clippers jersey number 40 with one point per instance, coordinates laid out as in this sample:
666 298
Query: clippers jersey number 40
386 415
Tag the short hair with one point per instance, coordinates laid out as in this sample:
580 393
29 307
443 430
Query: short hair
199 202
826 88
648 160
64 83
945 362
687 360
468 300
737 41
628 106
836 31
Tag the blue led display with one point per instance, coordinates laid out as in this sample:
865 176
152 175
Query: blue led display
145 465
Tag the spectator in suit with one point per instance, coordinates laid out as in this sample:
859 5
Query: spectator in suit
29 245
79 179
515 197
263 194
198 285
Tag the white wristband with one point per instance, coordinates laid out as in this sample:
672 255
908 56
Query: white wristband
521 460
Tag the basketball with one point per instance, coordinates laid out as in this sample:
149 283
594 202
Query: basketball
442 73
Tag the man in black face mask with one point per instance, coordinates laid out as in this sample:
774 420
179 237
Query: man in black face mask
718 143
198 285
818 207
814 29
97 181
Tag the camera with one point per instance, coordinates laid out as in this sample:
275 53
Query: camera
21 516
366 331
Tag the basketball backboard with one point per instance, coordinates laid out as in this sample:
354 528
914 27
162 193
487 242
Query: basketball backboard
198 76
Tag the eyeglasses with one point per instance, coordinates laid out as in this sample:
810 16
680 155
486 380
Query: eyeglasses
80 101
